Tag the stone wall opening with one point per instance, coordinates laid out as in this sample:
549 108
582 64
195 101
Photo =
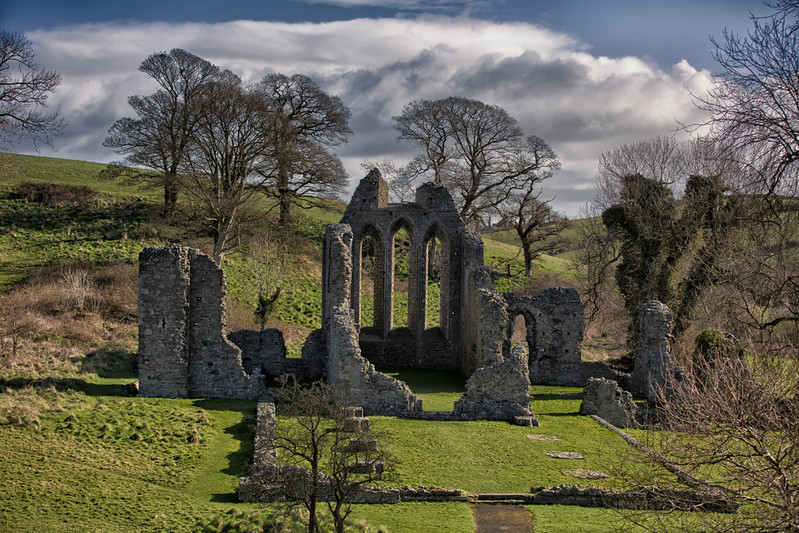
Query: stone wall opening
522 332
401 274
436 275
369 282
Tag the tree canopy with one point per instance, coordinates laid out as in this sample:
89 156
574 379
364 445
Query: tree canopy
306 121
478 151
159 139
24 89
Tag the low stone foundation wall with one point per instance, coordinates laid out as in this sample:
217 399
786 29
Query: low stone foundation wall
267 474
653 498
256 490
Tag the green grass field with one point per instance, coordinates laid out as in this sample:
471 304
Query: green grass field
79 455
88 459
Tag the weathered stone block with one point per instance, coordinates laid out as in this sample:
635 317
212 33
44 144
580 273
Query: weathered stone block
604 398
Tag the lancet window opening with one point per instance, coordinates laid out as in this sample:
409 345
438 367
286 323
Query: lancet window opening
401 276
368 281
437 280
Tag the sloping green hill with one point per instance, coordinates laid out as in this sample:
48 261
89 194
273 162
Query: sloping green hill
81 455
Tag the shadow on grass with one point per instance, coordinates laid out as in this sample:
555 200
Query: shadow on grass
111 363
430 381
550 396
65 384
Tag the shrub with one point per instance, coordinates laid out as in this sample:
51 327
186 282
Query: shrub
53 194
712 341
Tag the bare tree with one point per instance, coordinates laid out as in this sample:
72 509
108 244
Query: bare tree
754 105
538 226
306 121
228 154
660 158
401 181
732 425
476 150
157 142
426 124
331 462
24 89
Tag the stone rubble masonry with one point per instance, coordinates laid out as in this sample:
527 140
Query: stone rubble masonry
653 359
604 398
498 391
655 498
478 289
265 447
164 322
357 379
264 352
554 321
337 274
183 351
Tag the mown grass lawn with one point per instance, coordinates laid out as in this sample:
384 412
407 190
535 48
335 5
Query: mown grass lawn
93 460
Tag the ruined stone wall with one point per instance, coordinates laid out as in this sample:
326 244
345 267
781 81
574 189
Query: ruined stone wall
498 391
347 370
164 322
264 352
431 217
554 321
653 358
183 351
356 378
474 278
605 399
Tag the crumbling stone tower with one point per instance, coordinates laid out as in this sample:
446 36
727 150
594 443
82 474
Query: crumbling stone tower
183 351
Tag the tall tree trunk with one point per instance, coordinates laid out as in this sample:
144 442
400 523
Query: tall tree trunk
526 245
528 259
171 189
284 193
284 201
222 231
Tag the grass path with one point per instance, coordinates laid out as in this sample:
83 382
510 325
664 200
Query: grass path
216 478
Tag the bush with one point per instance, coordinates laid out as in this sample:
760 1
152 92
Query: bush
53 194
712 341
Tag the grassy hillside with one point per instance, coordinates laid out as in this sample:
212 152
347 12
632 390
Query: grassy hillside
81 455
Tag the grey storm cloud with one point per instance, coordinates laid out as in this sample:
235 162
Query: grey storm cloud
522 76
581 104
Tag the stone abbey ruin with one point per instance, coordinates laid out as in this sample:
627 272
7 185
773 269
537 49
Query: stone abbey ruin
184 352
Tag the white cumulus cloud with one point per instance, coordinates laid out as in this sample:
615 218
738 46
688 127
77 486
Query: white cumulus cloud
581 104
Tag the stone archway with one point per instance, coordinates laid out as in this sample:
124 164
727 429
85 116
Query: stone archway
521 330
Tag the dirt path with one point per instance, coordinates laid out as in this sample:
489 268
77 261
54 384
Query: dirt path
507 518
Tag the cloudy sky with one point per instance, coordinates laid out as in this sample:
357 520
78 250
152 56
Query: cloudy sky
584 75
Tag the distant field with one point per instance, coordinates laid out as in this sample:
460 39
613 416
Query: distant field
16 168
